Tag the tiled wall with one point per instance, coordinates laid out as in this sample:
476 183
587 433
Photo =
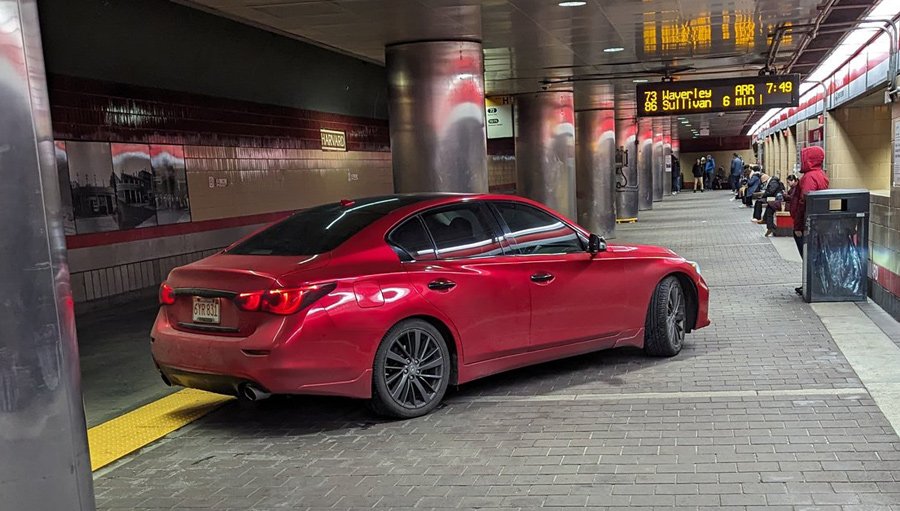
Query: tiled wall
264 180
884 240
858 149
502 165
723 159
242 159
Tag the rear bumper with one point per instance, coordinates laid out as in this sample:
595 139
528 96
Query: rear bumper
301 365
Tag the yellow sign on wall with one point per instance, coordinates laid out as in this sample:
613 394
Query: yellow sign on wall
333 140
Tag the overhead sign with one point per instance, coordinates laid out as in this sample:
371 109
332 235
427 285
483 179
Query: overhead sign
499 117
722 95
333 140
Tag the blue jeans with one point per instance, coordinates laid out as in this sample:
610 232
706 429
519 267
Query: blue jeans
735 182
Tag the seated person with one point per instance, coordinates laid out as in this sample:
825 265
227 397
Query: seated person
719 179
780 203
771 187
742 184
753 186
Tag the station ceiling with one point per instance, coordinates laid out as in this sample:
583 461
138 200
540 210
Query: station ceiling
535 44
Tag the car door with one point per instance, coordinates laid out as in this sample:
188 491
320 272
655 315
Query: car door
574 296
459 265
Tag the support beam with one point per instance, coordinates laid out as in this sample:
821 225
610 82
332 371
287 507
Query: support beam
44 462
545 149
436 101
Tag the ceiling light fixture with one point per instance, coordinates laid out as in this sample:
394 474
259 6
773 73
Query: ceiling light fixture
614 49
572 4
640 80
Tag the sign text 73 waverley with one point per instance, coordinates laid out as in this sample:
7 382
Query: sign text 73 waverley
723 95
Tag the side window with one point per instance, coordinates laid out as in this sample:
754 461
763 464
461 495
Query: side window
533 231
465 230
411 241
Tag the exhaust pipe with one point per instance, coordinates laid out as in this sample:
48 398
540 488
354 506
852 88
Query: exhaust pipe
251 392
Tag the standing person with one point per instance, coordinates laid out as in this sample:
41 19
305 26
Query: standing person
812 179
737 166
710 170
676 175
698 172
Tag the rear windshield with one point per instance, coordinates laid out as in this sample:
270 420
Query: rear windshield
320 229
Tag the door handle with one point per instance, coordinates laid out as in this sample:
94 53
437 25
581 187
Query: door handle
441 285
542 277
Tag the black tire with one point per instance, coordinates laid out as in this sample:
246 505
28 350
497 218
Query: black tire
664 329
411 372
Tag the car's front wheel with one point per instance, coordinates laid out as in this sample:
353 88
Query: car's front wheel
411 370
664 329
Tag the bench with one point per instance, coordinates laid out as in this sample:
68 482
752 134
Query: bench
784 224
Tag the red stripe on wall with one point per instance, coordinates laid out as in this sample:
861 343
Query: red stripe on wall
162 231
887 279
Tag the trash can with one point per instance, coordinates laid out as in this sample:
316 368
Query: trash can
835 248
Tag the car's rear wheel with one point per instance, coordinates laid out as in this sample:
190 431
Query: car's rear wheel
411 370
664 329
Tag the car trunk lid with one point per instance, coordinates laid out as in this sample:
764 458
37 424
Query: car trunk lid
205 291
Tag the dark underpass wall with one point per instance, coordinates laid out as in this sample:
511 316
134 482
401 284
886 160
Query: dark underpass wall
178 132
157 43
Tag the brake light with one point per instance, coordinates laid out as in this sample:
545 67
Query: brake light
166 294
248 301
282 301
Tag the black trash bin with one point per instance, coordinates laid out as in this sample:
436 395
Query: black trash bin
835 249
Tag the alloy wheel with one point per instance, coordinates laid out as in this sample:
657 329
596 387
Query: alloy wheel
675 316
414 368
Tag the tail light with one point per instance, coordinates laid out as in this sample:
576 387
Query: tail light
282 301
166 294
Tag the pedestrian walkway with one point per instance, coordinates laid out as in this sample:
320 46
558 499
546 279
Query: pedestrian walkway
761 409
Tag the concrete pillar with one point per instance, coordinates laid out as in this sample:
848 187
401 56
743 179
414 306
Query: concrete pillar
659 178
44 462
545 149
595 170
627 164
436 104
676 145
645 163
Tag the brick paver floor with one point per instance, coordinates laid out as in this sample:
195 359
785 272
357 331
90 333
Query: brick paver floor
760 411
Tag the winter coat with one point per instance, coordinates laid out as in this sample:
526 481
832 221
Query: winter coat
812 178
710 166
773 187
737 166
753 185
697 171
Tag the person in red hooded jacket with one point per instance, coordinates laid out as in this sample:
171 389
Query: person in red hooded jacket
812 178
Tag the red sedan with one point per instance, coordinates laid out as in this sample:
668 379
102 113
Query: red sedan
393 299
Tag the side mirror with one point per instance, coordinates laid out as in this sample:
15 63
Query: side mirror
596 244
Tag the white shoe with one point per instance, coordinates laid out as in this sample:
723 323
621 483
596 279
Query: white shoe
732 199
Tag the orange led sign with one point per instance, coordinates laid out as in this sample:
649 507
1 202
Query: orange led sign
730 94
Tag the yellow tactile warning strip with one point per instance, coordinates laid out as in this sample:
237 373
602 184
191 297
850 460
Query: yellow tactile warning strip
123 435
626 220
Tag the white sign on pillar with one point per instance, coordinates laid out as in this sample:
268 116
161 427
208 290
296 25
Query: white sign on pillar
499 117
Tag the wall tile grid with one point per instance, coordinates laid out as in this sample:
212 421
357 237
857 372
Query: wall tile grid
858 147
884 238
242 159
501 162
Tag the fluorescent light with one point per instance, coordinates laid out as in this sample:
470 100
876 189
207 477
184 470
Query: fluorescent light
852 42
614 49
571 4
640 80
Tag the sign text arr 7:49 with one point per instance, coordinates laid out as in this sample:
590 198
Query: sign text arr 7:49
722 95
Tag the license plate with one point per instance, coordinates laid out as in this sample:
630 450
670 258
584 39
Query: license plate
206 310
